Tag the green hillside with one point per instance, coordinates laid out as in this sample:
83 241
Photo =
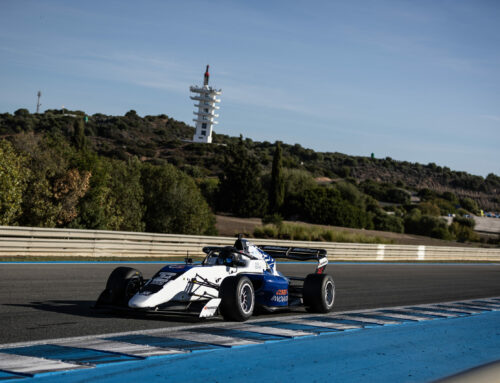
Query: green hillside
111 172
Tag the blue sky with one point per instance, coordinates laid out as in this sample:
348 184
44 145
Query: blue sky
413 80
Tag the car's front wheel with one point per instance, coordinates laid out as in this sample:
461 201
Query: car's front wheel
123 283
237 298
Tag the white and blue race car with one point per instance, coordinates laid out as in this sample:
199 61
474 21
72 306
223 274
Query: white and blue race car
232 281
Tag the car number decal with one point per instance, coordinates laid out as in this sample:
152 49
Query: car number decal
162 278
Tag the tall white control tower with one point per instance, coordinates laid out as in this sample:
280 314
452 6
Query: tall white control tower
205 114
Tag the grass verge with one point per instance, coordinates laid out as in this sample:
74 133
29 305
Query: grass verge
297 232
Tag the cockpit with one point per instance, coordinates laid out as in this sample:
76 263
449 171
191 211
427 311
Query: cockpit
228 256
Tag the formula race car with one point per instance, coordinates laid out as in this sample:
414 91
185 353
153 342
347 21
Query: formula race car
232 281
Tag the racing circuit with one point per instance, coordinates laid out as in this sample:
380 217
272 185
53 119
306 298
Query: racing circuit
53 300
43 301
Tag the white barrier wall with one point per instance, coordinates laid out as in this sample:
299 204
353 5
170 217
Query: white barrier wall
27 241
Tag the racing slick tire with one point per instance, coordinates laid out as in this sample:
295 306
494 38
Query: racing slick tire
237 298
123 283
319 293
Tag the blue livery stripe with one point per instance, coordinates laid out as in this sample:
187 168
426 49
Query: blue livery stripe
270 260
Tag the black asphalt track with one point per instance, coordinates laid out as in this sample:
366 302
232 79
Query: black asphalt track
45 301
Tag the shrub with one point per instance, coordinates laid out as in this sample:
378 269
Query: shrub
463 221
388 222
417 223
298 232
463 233
469 205
276 219
174 204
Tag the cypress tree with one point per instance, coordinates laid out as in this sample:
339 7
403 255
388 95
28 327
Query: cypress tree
277 188
240 189
79 139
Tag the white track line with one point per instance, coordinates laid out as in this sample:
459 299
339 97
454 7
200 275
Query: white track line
218 340
454 309
479 307
399 316
131 349
269 330
487 304
32 365
417 311
457 306
320 323
364 319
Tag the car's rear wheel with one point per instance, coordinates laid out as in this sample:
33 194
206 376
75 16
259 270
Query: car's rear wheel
123 283
319 293
237 298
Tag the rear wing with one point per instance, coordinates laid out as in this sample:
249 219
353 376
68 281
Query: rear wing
299 254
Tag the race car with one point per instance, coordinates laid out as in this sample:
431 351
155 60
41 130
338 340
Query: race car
232 281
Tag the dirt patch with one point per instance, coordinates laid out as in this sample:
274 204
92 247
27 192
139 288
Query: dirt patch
232 226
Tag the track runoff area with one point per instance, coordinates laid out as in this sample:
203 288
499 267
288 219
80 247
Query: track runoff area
416 343
443 319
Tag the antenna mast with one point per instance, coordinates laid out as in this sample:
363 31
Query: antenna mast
38 105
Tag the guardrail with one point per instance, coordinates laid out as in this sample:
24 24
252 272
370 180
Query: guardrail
28 241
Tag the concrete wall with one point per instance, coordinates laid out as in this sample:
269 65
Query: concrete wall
26 241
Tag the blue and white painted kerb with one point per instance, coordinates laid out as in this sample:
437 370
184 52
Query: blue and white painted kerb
24 360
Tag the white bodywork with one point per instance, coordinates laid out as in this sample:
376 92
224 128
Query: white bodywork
187 287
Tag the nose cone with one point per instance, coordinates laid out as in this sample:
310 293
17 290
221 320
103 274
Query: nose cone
139 301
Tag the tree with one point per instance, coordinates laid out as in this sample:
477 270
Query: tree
79 139
47 160
209 188
385 222
463 229
397 195
351 194
13 177
325 205
131 113
449 196
297 181
22 113
417 223
68 190
95 207
277 187
429 208
469 204
127 194
240 190
174 203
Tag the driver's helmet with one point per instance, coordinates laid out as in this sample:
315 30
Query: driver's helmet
227 256
249 247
